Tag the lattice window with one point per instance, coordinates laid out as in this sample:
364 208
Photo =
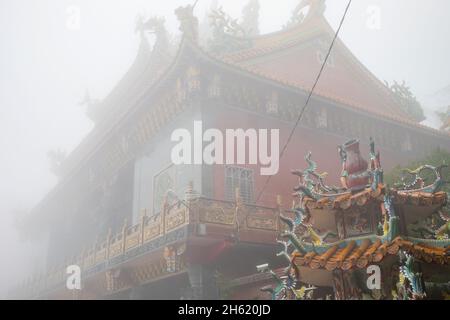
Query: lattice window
242 178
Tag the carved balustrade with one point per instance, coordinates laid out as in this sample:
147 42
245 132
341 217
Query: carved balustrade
235 216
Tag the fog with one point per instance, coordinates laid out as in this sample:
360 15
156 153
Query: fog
46 68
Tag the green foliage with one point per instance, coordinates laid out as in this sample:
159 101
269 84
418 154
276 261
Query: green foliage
436 158
444 117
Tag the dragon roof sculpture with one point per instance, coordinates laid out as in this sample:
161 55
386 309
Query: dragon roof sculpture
372 222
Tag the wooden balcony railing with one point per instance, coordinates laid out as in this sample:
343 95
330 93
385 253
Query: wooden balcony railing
235 216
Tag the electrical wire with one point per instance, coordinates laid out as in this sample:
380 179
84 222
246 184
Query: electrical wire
299 118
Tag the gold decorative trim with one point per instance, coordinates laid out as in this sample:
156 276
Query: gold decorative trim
175 218
152 231
115 249
100 256
132 240
216 214
263 223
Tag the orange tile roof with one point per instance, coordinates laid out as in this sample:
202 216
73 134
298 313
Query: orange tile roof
347 101
283 39
420 198
280 40
354 255
346 200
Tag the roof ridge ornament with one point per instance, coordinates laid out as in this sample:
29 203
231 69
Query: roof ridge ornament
306 9
91 105
188 22
154 25
227 33
406 99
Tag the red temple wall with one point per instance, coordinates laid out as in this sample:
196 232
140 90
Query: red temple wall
321 143
341 78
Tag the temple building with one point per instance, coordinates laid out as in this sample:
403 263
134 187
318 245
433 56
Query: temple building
364 239
141 227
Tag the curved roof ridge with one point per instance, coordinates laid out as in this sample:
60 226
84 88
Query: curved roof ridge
283 30
157 79
142 57
323 26
144 64
369 73
273 41
318 93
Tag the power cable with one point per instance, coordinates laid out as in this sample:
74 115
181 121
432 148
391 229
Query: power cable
299 118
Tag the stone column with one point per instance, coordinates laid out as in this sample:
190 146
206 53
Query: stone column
203 284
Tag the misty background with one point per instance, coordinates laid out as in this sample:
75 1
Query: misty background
46 68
